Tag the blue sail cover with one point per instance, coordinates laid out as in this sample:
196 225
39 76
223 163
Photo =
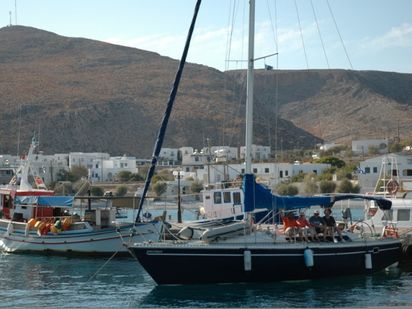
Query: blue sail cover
258 196
46 201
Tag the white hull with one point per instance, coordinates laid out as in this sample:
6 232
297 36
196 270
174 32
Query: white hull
16 238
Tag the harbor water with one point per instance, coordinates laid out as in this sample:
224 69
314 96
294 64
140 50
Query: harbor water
69 282
46 281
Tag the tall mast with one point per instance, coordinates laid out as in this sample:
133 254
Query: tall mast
249 91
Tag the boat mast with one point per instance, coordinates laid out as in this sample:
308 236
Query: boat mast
249 90
168 111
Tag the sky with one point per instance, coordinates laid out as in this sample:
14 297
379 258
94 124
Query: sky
306 34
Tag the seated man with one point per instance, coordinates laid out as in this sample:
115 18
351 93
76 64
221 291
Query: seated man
290 225
330 223
318 224
305 227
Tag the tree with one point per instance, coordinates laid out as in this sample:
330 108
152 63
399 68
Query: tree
77 172
332 161
346 186
286 189
121 191
196 187
124 176
327 186
159 188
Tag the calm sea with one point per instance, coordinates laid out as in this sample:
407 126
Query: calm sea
48 281
44 281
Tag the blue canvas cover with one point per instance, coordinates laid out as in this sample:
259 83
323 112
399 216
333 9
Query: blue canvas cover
47 201
257 196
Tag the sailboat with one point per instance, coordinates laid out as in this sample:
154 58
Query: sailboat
34 220
265 255
396 222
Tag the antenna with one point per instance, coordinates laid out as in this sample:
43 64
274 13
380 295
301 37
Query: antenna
15 12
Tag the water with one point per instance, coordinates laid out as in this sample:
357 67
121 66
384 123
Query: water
46 281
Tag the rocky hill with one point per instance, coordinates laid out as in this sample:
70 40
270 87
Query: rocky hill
85 95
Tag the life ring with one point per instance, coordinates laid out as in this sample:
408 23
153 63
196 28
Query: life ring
390 232
392 186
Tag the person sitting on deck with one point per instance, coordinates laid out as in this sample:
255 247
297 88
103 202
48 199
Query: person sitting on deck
318 224
305 227
290 225
330 223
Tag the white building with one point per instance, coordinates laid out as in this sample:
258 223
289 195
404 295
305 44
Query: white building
107 170
195 160
269 173
399 167
224 153
168 156
361 147
86 159
258 152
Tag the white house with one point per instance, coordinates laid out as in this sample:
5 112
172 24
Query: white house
361 147
106 170
397 166
258 152
168 156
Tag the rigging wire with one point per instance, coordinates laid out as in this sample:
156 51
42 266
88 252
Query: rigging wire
301 35
276 36
320 34
340 37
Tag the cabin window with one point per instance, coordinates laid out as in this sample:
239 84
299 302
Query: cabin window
207 197
267 170
226 197
375 169
236 198
367 170
217 197
407 172
404 214
394 172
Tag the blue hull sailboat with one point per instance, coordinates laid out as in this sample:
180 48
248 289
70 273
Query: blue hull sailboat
261 253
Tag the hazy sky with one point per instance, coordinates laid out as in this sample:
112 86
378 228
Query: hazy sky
377 34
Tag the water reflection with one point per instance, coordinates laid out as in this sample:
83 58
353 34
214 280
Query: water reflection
381 289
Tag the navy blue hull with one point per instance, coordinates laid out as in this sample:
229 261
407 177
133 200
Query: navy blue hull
212 264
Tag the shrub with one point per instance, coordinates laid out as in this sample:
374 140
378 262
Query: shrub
285 189
327 186
121 191
96 191
347 187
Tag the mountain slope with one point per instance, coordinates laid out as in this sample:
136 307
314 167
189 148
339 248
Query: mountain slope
85 95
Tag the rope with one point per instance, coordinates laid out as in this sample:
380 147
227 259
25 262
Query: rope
301 35
337 30
101 267
320 35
